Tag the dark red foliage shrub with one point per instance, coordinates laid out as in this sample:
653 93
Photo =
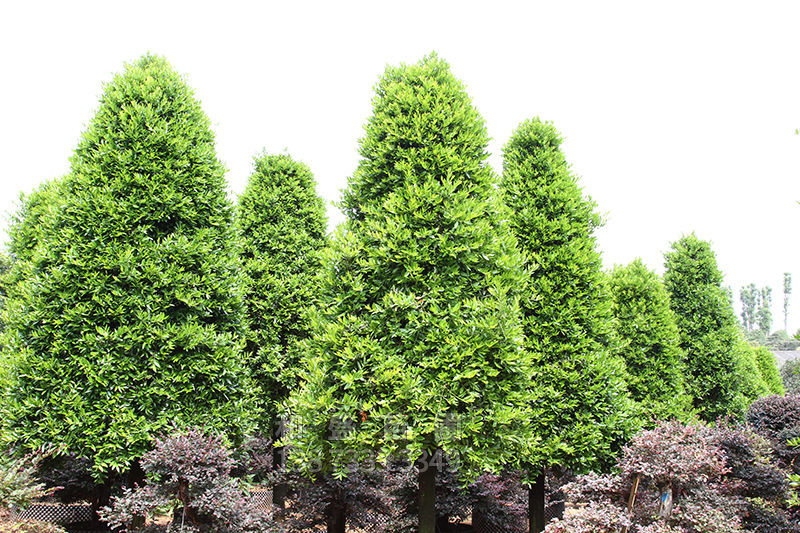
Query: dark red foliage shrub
749 458
453 501
773 416
674 454
500 502
192 467
253 459
361 498
71 474
684 460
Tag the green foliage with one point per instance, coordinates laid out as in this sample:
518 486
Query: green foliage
764 313
416 342
33 219
768 369
707 329
790 376
132 318
650 342
5 269
749 297
567 307
752 383
27 230
282 222
19 486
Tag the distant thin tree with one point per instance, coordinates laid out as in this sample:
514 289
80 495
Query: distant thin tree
787 290
748 296
764 313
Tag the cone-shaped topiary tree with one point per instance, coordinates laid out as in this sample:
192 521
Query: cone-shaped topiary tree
650 343
417 347
768 368
132 321
707 326
282 222
566 311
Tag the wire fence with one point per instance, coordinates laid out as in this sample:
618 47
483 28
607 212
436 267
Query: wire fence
366 521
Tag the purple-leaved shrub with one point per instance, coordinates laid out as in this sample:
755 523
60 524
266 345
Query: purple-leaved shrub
192 467
684 461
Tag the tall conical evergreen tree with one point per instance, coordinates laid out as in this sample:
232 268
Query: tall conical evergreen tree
417 346
566 311
708 330
282 223
133 321
650 343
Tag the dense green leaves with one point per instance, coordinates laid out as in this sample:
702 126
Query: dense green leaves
282 223
567 306
132 318
417 345
718 381
650 342
768 370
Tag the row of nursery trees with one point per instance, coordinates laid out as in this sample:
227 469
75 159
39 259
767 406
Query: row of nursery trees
455 316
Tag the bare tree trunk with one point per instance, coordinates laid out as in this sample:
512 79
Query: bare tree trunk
427 498
632 499
136 478
100 498
278 462
336 513
536 495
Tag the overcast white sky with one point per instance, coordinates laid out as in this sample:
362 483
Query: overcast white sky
678 118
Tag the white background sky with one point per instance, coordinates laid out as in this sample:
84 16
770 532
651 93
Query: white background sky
679 116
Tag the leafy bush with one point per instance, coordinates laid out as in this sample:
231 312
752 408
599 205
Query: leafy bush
19 484
768 367
684 459
676 455
777 418
501 501
717 379
790 375
132 316
71 474
253 459
749 458
312 503
192 467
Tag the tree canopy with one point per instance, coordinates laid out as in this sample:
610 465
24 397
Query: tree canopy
417 345
707 327
132 319
282 222
566 306
650 342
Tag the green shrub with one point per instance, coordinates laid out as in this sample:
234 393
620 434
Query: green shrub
19 484
790 375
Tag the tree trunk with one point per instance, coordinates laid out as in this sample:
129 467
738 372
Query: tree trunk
136 477
427 498
101 498
336 513
278 462
536 494
665 503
